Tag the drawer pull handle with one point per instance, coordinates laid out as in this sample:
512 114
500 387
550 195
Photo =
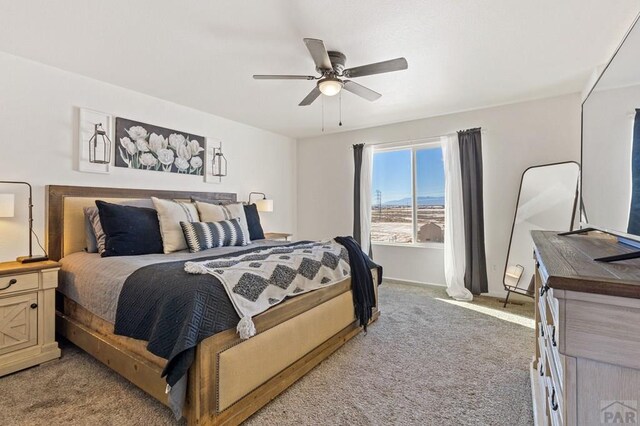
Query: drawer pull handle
541 369
544 289
34 305
553 337
11 282
554 403
542 331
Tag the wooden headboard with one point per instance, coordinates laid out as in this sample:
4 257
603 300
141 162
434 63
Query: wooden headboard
65 217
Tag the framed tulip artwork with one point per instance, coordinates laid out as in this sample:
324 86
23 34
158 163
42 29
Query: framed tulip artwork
147 147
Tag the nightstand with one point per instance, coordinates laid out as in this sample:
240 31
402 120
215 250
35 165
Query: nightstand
277 236
27 314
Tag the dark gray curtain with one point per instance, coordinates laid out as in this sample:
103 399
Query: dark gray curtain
475 277
634 213
357 162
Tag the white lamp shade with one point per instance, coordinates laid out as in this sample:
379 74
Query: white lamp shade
7 205
264 205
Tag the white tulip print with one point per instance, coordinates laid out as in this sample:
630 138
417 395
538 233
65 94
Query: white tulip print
147 147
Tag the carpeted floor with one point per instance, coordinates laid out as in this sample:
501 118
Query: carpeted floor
427 360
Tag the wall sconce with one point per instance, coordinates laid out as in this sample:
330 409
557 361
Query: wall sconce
264 204
99 146
218 163
7 209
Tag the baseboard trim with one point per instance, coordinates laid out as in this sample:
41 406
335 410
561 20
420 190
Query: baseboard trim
411 282
495 295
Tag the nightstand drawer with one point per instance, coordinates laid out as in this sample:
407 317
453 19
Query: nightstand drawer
18 322
15 283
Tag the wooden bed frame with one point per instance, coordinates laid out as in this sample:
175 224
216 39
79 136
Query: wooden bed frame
292 337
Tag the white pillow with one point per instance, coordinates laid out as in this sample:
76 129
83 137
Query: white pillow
218 212
170 214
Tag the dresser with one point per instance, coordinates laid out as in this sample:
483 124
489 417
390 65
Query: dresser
586 368
27 314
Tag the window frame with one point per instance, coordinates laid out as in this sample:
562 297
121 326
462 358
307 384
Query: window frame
413 147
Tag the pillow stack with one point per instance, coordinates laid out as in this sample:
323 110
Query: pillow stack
167 226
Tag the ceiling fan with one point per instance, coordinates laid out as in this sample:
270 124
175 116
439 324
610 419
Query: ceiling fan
333 75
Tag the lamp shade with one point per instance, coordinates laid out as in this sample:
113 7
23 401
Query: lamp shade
264 205
7 205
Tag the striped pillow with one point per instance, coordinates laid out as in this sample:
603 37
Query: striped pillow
205 235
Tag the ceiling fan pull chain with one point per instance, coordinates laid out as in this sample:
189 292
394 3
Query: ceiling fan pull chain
340 100
322 100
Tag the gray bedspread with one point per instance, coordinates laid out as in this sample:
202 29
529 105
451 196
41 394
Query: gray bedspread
95 282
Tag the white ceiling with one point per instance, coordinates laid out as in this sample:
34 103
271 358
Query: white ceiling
462 54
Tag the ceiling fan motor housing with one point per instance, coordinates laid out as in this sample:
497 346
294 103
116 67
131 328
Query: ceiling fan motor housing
338 59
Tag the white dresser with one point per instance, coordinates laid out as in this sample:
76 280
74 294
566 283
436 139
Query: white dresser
586 369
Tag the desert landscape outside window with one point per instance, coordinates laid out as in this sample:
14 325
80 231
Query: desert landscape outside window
408 195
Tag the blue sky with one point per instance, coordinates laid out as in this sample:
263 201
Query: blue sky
392 174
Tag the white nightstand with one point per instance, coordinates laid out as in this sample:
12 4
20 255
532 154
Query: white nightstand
277 236
27 314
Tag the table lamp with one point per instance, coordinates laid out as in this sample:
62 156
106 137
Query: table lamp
264 204
7 209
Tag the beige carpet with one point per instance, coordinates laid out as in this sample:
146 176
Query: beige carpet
425 361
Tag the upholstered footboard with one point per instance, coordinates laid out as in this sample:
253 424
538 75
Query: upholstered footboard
232 378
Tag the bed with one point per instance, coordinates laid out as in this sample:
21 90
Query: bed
230 378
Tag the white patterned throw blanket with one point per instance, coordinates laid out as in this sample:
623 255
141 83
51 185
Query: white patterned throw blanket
258 280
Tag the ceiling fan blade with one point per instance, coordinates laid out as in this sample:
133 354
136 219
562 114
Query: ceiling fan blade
318 53
377 68
283 77
312 96
360 90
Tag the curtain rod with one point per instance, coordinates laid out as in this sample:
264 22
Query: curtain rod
412 141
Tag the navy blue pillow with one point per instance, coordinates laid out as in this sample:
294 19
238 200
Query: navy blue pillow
253 222
129 231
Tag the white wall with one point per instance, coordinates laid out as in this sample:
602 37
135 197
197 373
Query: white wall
38 120
516 136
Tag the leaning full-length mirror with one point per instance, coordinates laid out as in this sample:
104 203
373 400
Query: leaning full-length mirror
547 201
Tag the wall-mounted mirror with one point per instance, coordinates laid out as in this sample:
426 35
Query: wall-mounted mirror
547 201
610 146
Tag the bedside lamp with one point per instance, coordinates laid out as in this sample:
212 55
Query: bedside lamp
7 205
264 204
7 209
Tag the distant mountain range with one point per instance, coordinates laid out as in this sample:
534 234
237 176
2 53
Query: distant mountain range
422 201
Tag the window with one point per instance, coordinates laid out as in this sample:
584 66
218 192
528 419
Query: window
408 195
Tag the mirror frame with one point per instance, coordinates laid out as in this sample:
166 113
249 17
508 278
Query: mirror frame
515 216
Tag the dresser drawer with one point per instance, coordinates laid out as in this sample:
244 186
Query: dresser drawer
15 283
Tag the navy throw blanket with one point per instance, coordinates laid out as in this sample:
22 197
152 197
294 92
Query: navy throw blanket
362 287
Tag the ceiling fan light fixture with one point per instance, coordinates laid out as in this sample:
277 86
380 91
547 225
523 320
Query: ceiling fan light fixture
330 86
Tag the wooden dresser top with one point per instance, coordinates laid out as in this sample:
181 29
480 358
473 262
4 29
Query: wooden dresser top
567 264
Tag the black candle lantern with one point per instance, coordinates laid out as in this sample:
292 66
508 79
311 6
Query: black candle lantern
99 146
